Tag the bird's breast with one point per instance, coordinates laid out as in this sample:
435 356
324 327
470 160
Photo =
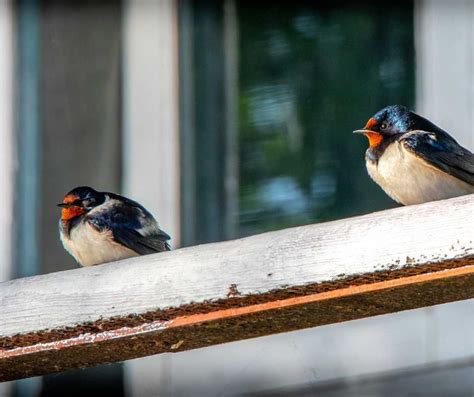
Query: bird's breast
409 179
92 247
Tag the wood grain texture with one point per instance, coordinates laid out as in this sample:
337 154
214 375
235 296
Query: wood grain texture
274 282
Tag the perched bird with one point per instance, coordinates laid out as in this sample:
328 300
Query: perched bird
98 227
413 160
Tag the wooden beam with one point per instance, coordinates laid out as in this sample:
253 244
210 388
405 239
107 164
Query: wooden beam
394 260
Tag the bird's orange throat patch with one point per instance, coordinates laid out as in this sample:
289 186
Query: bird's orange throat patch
375 139
71 212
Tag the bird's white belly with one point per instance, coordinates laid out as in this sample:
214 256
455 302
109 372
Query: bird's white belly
90 247
410 180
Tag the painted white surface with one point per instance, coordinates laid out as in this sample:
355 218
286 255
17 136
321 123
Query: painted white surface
7 133
151 133
444 40
311 254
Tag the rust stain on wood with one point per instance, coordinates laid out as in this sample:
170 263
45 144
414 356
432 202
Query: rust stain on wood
345 292
108 324
187 330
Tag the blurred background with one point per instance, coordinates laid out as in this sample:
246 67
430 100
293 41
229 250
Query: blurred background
228 118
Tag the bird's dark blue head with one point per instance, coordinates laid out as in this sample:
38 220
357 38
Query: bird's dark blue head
391 121
79 201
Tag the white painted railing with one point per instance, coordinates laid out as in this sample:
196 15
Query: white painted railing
291 279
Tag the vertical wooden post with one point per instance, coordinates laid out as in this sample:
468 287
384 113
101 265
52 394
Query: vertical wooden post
150 105
7 135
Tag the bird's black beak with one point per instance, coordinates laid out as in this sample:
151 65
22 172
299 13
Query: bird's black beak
64 205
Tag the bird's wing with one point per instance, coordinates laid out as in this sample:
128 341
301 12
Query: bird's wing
442 152
131 225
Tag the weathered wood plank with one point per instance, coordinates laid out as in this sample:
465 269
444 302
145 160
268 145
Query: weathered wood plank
291 279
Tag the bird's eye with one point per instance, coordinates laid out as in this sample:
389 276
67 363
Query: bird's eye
383 126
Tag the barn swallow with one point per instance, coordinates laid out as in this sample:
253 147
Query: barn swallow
413 160
98 227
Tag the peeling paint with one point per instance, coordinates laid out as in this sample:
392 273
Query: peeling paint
233 291
164 316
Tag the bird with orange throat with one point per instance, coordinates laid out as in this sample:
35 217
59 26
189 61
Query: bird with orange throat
413 160
98 227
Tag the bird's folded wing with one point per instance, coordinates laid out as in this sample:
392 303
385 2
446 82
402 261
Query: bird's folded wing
140 244
442 152
133 227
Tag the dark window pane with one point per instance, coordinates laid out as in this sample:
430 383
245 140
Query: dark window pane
311 73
